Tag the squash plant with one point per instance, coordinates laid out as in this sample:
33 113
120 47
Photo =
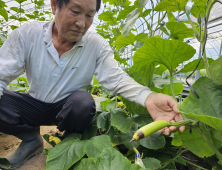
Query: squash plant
105 145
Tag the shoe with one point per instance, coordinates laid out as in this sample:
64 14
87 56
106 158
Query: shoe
31 145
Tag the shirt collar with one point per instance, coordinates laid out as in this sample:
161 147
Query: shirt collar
47 28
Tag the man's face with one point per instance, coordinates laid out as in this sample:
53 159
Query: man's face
72 20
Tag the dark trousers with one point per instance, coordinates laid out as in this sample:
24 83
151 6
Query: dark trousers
20 112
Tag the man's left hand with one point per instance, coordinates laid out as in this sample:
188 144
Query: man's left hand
164 107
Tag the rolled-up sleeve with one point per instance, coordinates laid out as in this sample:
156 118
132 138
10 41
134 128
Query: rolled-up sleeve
115 80
12 63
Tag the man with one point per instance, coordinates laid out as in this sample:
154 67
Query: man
60 59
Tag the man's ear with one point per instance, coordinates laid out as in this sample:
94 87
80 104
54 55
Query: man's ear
53 6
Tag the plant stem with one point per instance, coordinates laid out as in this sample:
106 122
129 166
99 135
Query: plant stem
193 26
170 161
180 153
209 143
148 26
205 61
204 37
181 123
171 85
116 103
193 164
159 20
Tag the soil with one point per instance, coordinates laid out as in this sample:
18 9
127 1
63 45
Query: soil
9 143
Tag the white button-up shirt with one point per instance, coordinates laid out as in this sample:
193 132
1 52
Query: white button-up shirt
51 78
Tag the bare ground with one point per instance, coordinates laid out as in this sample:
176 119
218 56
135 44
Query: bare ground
9 143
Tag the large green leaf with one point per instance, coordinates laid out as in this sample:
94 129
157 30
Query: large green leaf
126 138
123 13
195 143
198 8
178 88
103 120
153 141
110 159
16 9
31 16
105 103
124 41
179 31
177 140
117 2
22 19
130 22
13 27
121 121
2 4
141 37
141 120
72 149
171 5
148 78
4 163
96 145
151 163
163 85
65 154
107 16
207 108
20 1
171 17
161 51
147 12
192 65
39 3
164 30
3 12
142 3
160 69
216 71
89 132
134 108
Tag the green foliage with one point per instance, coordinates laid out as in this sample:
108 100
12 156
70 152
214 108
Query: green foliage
19 10
192 65
121 121
170 53
20 84
3 11
113 161
179 31
171 5
153 141
207 108
195 143
76 149
105 144
198 8
130 21
124 41
215 70
151 163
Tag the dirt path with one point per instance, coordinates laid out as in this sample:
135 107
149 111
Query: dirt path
9 143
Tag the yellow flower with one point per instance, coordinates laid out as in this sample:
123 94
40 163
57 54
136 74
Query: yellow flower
120 104
54 139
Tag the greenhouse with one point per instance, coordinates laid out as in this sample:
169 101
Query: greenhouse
111 84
